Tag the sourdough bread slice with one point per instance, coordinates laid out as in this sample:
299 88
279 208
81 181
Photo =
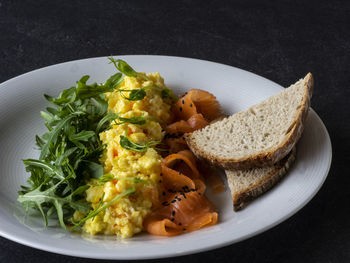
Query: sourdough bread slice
259 136
246 185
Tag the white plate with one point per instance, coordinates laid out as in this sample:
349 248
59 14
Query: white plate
21 99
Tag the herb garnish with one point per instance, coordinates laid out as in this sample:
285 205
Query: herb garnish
115 119
140 94
125 68
104 206
70 150
108 177
130 145
134 95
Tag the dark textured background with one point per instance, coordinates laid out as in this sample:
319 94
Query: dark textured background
280 40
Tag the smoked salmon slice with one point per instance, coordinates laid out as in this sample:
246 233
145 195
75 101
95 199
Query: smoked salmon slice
186 212
179 178
194 111
175 144
184 206
206 103
179 127
195 122
197 101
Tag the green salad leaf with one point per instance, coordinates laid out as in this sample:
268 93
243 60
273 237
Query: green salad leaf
140 94
85 91
126 69
115 119
108 177
130 145
135 94
70 149
141 120
104 206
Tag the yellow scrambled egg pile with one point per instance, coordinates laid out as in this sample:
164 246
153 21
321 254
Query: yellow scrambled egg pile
125 217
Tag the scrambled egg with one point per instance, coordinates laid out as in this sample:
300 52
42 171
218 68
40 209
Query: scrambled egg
125 217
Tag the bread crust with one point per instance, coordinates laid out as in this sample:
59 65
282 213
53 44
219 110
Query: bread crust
265 158
241 199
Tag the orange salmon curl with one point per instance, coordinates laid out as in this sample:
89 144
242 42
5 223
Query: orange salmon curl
192 112
184 206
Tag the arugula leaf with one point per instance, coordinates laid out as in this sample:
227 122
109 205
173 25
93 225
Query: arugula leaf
85 91
95 169
130 145
126 69
50 169
39 142
66 96
99 204
80 190
114 81
46 116
92 214
64 156
135 94
109 117
136 180
108 177
100 105
53 135
141 120
52 111
71 149
140 94
38 198
82 136
166 93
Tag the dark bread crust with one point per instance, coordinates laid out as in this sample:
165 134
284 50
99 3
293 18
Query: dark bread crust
266 158
241 199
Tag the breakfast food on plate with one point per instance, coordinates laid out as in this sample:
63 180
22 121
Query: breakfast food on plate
121 163
256 146
114 160
246 185
193 111
183 205
259 136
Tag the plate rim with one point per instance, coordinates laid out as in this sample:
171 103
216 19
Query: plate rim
57 250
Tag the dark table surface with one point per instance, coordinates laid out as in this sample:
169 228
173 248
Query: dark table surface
280 40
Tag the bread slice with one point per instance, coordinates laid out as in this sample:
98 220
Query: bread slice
246 185
259 136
